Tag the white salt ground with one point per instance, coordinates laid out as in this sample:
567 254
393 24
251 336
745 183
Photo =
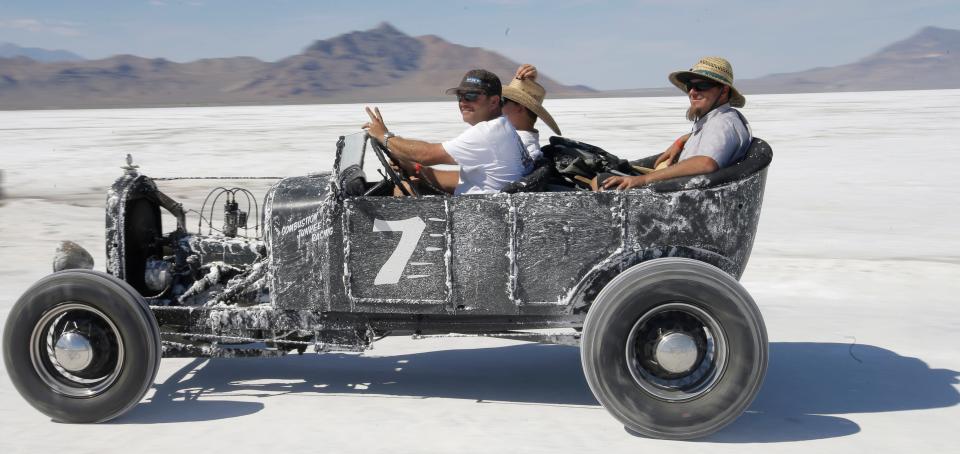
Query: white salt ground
855 268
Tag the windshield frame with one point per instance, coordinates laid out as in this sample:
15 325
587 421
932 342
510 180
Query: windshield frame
351 150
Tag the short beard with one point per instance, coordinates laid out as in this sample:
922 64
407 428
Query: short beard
694 114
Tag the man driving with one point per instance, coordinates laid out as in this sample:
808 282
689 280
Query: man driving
489 154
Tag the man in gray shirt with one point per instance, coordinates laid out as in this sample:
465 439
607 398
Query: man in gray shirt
720 135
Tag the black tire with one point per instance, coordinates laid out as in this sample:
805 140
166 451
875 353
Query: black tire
121 333
674 395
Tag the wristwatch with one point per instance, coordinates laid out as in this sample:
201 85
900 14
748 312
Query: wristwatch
386 137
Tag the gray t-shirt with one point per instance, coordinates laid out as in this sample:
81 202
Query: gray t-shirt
721 135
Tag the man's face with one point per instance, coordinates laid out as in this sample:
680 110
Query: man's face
703 93
518 115
476 107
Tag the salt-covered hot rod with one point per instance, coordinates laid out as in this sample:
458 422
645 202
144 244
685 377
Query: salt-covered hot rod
644 280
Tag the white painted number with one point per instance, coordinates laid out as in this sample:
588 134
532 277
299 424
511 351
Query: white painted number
411 230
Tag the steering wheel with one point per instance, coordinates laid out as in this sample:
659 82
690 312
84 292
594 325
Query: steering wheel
384 155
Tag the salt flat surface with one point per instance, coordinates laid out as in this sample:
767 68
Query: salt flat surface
856 268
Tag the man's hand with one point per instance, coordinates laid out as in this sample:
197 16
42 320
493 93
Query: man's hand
670 154
375 127
526 71
625 182
399 164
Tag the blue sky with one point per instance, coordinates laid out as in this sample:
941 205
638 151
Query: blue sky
607 45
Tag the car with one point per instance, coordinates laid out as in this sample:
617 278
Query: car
645 281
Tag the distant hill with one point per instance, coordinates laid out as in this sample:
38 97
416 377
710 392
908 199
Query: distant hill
384 64
930 59
10 50
378 65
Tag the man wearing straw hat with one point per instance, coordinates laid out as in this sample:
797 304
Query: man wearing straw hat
523 104
720 135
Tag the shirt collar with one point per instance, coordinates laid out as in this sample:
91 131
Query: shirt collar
713 113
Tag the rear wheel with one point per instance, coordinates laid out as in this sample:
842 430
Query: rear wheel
81 346
674 348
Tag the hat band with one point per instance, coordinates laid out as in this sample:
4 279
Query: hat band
722 78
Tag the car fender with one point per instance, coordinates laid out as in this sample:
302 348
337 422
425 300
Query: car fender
582 296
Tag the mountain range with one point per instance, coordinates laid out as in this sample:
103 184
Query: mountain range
381 64
384 64
930 59
10 50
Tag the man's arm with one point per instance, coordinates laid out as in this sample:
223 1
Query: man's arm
417 150
448 180
671 153
697 165
411 150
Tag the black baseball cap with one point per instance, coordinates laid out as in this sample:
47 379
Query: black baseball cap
478 80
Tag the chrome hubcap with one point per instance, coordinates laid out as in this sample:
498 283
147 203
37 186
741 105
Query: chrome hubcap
73 351
76 350
676 352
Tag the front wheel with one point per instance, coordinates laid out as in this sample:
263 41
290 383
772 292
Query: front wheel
674 348
81 346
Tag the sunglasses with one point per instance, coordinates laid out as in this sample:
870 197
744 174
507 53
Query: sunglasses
700 85
469 96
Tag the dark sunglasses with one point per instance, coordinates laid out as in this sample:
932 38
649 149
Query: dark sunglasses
469 96
700 85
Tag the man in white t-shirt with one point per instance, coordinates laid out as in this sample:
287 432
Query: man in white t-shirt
489 153
523 104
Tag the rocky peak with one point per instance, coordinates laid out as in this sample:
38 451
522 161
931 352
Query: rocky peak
386 27
383 41
928 43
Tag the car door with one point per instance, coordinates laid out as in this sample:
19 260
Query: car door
397 254
560 238
482 249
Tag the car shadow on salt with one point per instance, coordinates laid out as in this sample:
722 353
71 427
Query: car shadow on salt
175 401
807 385
807 381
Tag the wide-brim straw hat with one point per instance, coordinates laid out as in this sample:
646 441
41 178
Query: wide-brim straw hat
530 94
714 68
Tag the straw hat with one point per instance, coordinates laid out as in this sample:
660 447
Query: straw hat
530 94
714 68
